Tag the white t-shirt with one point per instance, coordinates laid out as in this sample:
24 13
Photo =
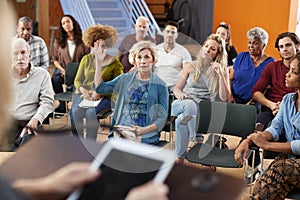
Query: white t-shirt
71 47
169 65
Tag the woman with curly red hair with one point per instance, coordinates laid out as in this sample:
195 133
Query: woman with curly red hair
111 68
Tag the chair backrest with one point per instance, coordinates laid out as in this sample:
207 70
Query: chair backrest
71 70
226 118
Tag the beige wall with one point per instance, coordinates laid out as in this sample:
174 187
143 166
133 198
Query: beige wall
49 13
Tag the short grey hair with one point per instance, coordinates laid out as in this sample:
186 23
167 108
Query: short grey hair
138 47
20 41
25 19
258 33
143 18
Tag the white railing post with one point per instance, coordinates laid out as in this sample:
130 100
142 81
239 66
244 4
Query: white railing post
136 8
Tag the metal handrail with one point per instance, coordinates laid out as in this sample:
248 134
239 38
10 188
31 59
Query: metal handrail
133 8
136 8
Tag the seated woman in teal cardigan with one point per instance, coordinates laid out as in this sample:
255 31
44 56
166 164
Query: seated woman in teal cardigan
142 101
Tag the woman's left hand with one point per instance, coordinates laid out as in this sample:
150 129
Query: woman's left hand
231 99
241 151
62 73
59 184
95 96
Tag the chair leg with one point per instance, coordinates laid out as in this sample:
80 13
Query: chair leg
262 162
252 170
53 118
165 135
249 171
172 145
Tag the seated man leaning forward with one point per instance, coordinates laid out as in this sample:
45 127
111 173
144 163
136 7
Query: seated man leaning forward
142 96
34 99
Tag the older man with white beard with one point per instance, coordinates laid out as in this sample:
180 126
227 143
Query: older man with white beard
34 99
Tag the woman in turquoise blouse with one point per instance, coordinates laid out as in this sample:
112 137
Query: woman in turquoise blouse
142 101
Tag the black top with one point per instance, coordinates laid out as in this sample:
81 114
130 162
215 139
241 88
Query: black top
231 54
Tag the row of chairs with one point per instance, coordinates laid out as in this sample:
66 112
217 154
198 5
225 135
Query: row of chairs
215 117
226 119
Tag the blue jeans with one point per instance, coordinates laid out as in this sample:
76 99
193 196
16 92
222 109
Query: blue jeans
184 132
77 114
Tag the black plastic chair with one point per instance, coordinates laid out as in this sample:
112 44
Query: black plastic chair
223 118
170 123
104 114
67 95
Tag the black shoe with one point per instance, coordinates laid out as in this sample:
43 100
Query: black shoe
59 110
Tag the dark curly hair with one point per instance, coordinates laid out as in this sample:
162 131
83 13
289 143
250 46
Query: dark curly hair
63 35
96 32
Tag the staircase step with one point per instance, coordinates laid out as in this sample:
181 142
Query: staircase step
113 21
106 12
124 31
102 3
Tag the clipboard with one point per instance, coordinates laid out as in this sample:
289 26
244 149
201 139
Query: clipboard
46 153
89 103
